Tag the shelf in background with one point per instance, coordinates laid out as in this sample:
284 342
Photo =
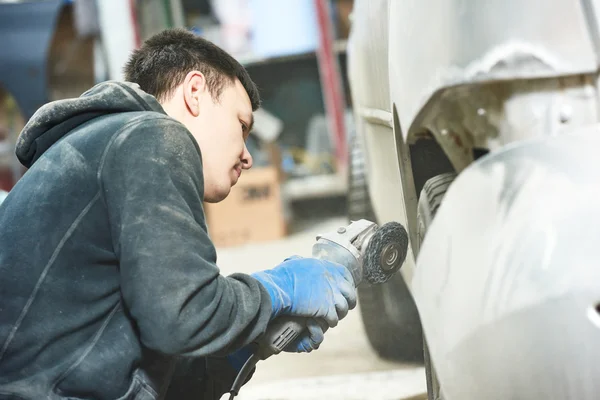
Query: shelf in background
314 186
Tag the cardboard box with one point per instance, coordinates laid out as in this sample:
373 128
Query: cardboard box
253 211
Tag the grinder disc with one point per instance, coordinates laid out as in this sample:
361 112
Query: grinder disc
385 253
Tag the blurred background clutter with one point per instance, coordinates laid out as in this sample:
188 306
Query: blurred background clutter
295 50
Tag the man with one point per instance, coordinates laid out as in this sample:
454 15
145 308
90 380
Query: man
109 287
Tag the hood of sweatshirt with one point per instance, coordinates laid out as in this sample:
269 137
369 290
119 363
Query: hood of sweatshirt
56 119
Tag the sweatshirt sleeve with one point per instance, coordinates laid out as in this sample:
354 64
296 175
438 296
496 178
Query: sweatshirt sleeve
153 188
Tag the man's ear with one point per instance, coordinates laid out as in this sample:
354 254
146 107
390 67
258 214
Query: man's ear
194 86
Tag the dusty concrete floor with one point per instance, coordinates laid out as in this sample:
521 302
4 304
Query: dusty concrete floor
345 367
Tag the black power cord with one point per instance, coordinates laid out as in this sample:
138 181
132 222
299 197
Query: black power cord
243 375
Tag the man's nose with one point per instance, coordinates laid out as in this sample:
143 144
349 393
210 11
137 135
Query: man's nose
246 159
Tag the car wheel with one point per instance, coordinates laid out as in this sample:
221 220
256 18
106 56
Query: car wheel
430 200
388 311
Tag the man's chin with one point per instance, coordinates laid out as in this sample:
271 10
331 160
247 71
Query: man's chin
218 196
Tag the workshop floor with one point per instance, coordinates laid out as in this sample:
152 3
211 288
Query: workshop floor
344 367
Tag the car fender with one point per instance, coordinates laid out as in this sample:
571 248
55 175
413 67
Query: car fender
464 43
510 255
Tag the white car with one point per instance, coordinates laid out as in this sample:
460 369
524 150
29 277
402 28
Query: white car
436 85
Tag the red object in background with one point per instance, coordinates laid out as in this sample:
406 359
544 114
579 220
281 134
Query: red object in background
135 23
331 82
6 178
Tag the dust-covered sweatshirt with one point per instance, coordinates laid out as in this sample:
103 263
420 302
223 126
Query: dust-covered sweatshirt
108 278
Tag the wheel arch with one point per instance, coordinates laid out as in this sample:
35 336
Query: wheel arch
419 159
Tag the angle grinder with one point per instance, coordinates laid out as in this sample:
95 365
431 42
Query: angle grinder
370 253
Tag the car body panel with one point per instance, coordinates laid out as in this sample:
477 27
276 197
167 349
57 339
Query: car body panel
368 74
513 79
507 279
442 56
437 44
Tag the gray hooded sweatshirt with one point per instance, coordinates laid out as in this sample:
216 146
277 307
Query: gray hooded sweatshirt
109 287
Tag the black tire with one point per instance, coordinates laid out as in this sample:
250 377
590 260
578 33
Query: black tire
388 311
430 200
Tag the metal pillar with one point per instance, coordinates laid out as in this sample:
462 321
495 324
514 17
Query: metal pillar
331 83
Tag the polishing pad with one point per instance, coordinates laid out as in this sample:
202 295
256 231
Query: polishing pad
385 253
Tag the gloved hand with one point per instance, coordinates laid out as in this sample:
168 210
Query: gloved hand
311 288
311 340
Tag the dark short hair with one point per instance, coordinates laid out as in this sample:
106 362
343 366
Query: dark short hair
163 61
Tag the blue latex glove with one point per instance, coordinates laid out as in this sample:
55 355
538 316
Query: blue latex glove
311 340
320 290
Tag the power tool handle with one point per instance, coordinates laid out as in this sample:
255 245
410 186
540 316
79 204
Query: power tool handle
284 330
280 333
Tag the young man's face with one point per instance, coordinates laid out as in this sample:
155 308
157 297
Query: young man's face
221 128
